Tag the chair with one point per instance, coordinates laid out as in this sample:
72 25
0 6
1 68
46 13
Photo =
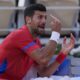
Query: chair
75 66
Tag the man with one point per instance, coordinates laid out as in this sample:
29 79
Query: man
21 50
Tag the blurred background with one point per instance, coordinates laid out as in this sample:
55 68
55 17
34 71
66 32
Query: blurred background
68 11
12 12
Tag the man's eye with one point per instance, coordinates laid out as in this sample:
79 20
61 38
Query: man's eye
40 17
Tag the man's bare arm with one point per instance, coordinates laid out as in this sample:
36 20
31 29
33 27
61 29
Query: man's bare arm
49 70
44 54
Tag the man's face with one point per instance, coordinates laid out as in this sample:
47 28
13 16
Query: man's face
38 22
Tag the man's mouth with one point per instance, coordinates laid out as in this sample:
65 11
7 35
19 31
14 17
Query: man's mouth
42 27
41 30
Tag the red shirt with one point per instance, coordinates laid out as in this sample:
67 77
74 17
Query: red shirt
15 49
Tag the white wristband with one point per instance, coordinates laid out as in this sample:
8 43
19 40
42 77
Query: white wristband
55 36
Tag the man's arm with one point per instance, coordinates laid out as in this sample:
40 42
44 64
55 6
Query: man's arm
43 55
49 70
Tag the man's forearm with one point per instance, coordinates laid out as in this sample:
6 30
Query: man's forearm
49 50
43 55
49 70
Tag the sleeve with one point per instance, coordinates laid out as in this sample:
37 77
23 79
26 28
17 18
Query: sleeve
3 66
26 43
3 61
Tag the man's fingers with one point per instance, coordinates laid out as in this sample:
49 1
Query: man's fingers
72 38
64 40
54 18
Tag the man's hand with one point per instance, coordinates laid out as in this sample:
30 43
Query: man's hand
55 24
66 47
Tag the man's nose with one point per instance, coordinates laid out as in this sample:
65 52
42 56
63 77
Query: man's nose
44 20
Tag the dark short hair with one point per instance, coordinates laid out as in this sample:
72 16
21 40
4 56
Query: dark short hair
29 11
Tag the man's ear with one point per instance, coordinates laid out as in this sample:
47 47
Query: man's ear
28 19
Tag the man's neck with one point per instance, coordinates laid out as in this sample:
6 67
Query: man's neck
31 31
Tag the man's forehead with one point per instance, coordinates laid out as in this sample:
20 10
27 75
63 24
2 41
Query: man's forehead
40 13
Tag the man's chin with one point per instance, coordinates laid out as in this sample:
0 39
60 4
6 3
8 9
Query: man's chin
41 32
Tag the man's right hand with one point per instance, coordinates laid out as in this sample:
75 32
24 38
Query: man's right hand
55 24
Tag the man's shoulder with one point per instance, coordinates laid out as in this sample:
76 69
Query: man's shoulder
19 31
22 29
